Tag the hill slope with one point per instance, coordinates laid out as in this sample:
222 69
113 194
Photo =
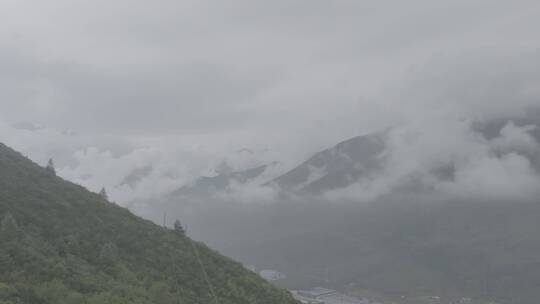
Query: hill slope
63 244
206 186
335 167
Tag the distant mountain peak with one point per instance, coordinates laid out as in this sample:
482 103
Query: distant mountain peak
335 167
207 185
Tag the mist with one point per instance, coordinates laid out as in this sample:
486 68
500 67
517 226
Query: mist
183 86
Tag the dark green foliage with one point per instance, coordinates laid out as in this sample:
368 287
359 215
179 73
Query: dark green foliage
50 167
60 244
178 228
103 194
9 229
108 254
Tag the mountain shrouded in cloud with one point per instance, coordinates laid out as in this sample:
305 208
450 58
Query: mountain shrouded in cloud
447 157
336 167
439 153
149 83
405 213
398 140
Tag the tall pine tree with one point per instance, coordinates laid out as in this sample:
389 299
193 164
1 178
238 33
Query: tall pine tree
50 167
103 194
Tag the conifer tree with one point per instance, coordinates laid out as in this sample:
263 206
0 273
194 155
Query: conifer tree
103 194
178 227
50 167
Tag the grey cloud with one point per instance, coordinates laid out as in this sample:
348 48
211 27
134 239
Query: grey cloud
504 167
181 77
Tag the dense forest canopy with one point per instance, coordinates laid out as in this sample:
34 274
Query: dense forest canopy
63 244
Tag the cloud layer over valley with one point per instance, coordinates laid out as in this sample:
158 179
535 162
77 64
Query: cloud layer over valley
158 94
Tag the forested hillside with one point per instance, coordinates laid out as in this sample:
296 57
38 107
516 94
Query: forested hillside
63 244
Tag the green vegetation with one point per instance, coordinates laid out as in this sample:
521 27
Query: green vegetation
63 244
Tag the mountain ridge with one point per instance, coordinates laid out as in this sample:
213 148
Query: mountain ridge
340 165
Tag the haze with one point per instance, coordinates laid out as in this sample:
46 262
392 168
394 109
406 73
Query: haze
182 85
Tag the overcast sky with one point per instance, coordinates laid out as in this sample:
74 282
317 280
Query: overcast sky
181 84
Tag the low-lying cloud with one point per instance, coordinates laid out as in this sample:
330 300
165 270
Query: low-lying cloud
182 86
452 159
